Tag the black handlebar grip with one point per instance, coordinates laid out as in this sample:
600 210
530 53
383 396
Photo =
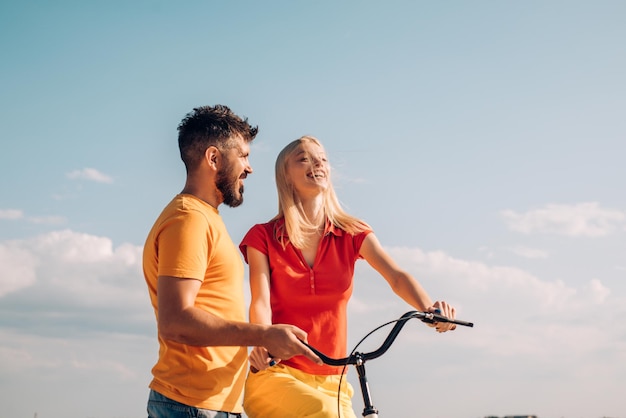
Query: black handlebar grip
433 317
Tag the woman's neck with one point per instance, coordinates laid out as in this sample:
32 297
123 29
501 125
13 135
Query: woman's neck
314 211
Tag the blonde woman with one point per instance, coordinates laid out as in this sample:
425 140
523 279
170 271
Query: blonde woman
301 273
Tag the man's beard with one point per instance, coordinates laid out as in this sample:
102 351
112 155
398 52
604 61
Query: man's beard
231 193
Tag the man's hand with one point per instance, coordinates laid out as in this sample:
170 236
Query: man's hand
284 342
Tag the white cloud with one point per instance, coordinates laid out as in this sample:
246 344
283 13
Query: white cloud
18 267
89 174
583 219
63 281
74 306
598 293
529 252
85 311
534 333
515 311
15 214
47 220
472 277
11 214
54 369
486 251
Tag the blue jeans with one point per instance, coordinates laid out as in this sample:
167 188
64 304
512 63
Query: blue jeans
160 406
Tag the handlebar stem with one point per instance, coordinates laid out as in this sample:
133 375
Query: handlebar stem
368 410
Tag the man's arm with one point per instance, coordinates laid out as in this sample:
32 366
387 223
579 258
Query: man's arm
179 320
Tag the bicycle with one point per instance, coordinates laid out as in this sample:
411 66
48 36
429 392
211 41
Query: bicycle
358 359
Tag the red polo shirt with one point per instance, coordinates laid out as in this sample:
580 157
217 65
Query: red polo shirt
313 299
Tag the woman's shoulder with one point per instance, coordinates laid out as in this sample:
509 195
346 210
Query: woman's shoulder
271 224
267 228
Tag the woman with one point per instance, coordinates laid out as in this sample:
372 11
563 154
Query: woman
301 273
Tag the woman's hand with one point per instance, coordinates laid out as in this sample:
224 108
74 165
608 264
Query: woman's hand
444 309
260 359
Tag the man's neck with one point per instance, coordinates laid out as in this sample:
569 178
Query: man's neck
208 196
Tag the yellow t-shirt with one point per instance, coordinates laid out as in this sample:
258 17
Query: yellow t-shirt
190 240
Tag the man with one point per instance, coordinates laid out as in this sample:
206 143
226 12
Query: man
195 275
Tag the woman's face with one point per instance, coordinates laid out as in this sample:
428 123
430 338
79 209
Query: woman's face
308 169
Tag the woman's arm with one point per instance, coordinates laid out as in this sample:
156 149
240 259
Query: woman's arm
401 282
260 307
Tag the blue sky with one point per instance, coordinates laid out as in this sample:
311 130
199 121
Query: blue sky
484 141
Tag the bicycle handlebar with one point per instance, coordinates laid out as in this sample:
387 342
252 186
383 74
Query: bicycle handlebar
360 358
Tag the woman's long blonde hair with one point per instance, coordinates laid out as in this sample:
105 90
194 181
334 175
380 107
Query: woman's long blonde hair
290 207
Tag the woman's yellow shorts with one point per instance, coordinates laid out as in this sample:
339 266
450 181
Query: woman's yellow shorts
284 392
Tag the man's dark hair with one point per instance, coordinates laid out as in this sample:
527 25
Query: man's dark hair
210 126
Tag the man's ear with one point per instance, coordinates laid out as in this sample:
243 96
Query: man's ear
212 156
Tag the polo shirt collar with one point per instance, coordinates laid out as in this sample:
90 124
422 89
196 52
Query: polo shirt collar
332 229
328 229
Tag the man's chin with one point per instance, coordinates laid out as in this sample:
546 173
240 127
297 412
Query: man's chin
233 202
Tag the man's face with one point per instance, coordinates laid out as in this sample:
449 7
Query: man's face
234 169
